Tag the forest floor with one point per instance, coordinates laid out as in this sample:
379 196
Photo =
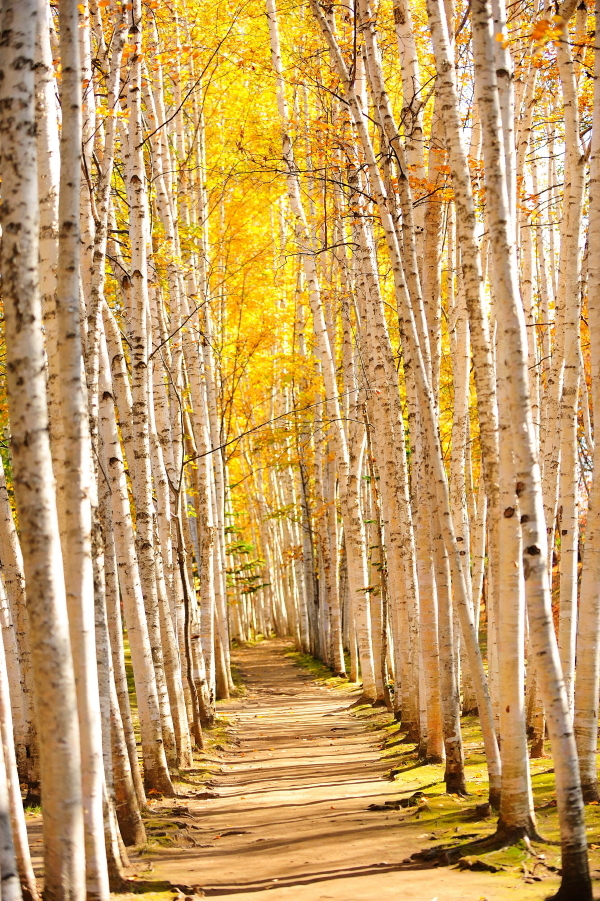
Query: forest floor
279 807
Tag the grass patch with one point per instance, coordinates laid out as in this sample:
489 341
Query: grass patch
216 736
455 822
133 704
150 890
250 642
238 681
33 810
321 673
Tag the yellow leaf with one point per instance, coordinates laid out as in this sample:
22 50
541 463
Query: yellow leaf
540 29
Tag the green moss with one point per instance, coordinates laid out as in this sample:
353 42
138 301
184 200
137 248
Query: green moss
318 670
250 642
455 822
160 823
129 673
238 681
158 894
148 849
34 810
149 892
131 689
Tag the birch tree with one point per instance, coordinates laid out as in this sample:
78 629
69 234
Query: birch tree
64 861
575 873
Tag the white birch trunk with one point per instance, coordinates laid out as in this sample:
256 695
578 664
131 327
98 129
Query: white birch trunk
64 860
587 686
11 887
73 472
139 326
348 496
416 354
18 829
13 671
513 368
155 766
13 577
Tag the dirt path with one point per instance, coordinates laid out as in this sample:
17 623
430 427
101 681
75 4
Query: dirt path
289 819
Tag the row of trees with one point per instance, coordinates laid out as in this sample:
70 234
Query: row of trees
113 499
440 185
299 317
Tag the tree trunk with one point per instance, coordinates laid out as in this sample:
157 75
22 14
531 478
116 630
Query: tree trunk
513 367
54 679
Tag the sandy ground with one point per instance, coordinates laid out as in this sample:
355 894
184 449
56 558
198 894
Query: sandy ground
289 816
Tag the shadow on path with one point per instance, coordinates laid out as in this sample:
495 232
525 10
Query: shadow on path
289 816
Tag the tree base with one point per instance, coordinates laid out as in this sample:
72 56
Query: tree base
537 749
159 786
119 883
574 889
494 798
380 702
34 795
27 893
590 792
504 837
362 700
510 835
411 730
455 784
132 829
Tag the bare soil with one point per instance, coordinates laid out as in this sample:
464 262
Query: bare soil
285 813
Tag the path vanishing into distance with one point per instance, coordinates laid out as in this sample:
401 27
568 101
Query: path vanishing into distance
287 814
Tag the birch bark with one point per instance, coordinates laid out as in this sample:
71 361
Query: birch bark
18 828
54 680
415 348
588 649
11 887
11 560
155 766
73 472
348 497
138 335
575 872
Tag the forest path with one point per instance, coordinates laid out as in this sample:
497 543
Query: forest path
289 819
